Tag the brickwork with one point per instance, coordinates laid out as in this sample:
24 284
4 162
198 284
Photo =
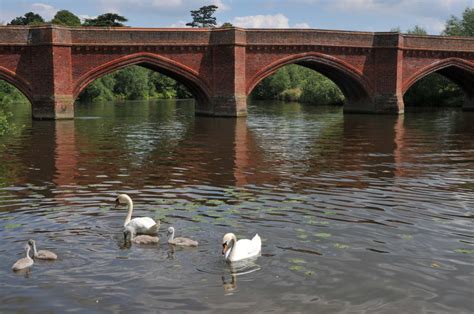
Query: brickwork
51 65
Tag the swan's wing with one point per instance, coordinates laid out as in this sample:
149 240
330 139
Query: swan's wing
144 225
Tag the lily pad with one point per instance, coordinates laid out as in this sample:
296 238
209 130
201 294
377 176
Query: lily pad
296 267
464 251
12 226
324 235
297 261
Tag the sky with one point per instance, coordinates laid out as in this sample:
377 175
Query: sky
357 15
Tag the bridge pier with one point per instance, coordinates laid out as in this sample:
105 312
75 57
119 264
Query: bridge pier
468 103
52 75
380 104
54 107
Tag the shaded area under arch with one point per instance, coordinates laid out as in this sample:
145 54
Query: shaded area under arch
458 71
351 83
189 78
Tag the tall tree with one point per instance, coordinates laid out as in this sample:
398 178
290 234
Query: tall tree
107 19
461 27
417 30
65 17
29 18
203 17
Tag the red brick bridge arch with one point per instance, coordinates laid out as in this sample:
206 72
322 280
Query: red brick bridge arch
51 65
173 69
352 82
15 80
457 70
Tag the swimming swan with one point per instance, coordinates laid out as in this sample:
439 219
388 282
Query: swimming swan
42 254
142 225
24 262
179 241
234 250
131 236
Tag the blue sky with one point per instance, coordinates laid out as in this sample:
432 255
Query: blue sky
363 15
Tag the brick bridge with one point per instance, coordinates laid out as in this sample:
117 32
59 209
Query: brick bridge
51 65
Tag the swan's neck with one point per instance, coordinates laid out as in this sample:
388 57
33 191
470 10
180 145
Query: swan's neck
28 252
35 253
171 236
130 211
231 247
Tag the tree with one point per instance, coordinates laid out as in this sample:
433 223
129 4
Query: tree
65 17
203 17
227 25
29 18
460 27
417 30
107 19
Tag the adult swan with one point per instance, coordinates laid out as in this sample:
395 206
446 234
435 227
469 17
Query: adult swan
234 250
141 225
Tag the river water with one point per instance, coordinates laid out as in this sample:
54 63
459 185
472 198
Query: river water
357 213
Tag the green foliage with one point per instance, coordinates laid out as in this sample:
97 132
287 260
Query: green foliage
297 83
8 95
203 17
434 90
227 25
321 91
417 30
107 19
65 17
29 18
132 83
461 27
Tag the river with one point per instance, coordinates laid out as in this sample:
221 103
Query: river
357 213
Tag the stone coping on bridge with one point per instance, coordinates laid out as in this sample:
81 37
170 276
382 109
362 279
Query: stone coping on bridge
103 36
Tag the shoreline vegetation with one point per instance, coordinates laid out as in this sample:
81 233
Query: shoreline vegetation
290 83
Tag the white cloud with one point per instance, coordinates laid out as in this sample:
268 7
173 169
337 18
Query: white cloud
178 24
301 25
261 21
45 10
159 7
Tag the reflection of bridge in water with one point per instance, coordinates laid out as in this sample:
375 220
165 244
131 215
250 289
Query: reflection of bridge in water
51 65
221 152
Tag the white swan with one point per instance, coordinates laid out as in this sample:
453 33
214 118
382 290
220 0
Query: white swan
179 241
142 225
234 250
42 254
24 262
131 236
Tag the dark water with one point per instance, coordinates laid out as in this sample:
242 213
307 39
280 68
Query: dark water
358 213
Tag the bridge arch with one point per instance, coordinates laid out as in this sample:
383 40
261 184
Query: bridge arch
351 82
17 81
181 73
460 71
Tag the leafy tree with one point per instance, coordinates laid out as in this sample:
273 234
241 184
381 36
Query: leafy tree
107 19
132 83
65 17
396 29
203 17
417 30
29 18
227 25
461 27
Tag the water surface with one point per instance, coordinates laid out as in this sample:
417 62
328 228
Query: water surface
358 213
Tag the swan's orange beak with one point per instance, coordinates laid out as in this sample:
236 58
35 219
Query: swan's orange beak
224 248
